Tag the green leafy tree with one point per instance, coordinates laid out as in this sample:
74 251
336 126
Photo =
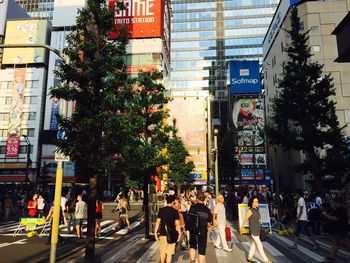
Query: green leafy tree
94 77
304 114
178 165
145 132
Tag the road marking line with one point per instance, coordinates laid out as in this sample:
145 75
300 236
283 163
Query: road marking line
125 230
18 242
306 251
103 223
272 250
149 253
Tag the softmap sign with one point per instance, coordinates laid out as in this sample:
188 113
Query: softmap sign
245 77
264 213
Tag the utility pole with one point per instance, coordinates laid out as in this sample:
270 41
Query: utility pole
216 162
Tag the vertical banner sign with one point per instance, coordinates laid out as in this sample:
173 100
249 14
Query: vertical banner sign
142 18
16 107
12 146
55 102
245 77
248 118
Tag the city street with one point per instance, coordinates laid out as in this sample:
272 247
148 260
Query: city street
132 247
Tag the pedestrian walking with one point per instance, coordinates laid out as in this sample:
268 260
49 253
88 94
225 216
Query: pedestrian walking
8 207
219 219
253 216
99 209
49 218
41 205
80 214
63 207
302 222
198 222
168 224
70 214
337 226
33 206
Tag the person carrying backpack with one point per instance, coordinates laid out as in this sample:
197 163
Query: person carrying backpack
168 224
198 222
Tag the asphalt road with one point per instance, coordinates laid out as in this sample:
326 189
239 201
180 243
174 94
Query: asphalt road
23 249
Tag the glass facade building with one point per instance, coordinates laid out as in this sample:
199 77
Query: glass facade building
206 34
42 9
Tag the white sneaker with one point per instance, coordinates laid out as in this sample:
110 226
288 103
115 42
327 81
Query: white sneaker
228 249
218 247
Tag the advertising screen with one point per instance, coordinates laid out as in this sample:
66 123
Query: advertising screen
25 32
142 18
245 77
190 115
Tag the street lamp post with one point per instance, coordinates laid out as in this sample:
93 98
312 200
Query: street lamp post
29 161
216 162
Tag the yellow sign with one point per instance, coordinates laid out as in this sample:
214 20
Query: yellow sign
31 223
25 32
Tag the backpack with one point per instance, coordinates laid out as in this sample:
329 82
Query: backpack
193 222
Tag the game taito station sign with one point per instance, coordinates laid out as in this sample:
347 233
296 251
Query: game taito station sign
143 18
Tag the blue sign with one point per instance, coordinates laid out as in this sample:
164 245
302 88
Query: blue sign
245 77
292 2
61 134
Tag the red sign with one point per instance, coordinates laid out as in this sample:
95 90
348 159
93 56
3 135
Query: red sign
12 146
143 18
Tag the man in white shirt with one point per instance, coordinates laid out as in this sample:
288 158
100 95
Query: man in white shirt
220 222
301 222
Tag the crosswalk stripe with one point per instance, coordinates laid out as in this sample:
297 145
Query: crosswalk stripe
103 223
149 253
306 251
125 230
272 250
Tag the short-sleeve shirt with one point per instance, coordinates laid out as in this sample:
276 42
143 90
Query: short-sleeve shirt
220 212
204 215
80 210
301 203
168 215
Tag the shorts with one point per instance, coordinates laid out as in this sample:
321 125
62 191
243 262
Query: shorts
79 222
198 242
164 247
302 228
98 215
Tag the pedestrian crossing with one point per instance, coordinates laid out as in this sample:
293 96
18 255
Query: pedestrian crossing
241 246
107 229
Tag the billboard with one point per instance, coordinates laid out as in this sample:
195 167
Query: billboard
249 121
190 115
142 18
25 32
245 77
3 15
12 146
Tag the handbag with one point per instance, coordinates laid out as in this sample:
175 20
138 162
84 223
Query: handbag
228 233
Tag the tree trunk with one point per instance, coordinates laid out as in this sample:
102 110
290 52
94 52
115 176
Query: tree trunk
90 233
145 204
317 172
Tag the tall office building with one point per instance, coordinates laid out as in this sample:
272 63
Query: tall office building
207 34
40 9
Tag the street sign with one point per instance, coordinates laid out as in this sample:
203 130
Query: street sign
61 157
61 134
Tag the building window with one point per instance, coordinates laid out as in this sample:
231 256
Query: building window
314 29
282 47
30 99
316 48
301 25
28 132
32 84
9 85
23 149
30 116
2 149
4 116
3 133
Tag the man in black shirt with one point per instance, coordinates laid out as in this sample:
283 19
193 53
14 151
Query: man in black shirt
199 240
169 217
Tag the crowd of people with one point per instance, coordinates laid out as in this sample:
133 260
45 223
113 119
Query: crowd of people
192 217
